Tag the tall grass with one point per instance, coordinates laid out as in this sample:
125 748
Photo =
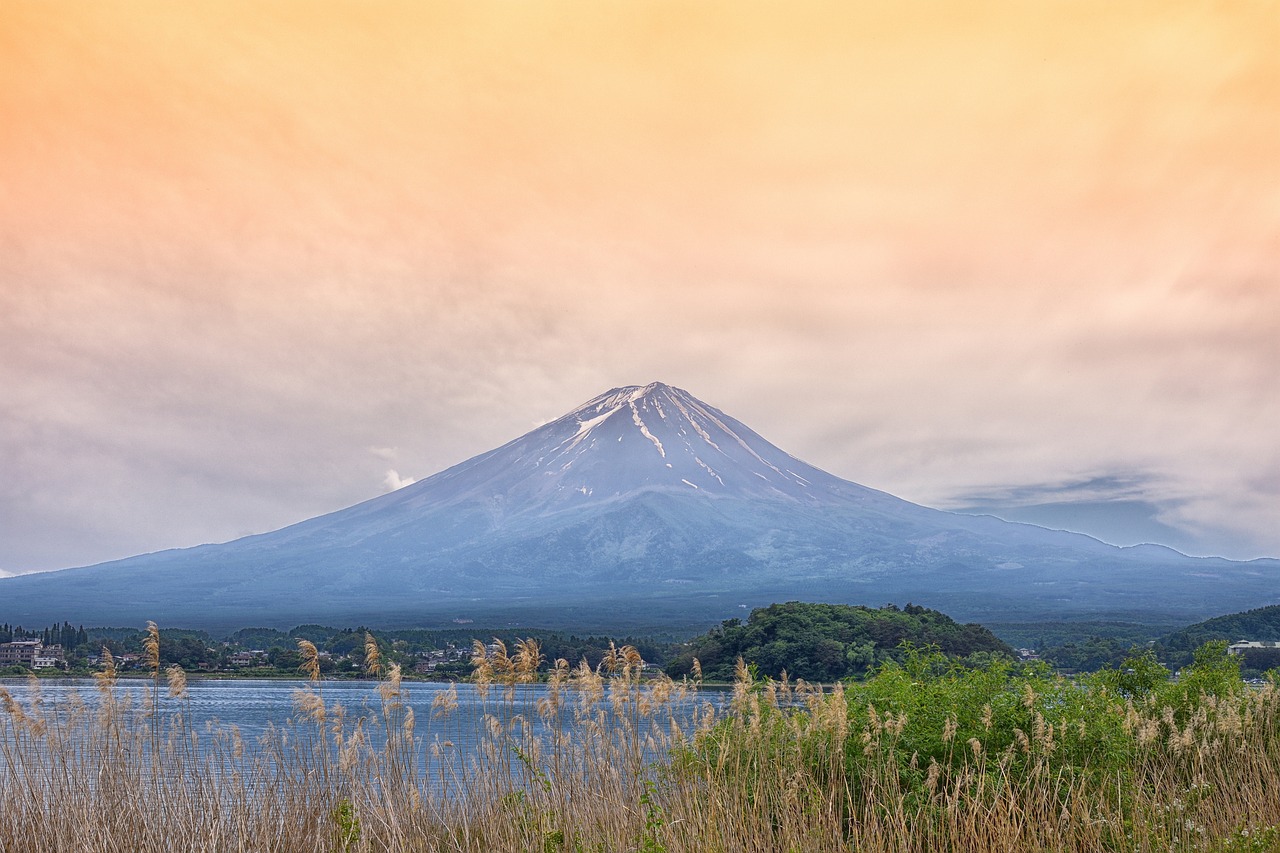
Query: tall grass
922 757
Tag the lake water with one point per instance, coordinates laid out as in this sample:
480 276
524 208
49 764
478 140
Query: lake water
255 706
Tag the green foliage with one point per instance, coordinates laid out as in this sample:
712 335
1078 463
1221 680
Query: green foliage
262 638
1213 672
1090 654
930 728
1045 634
654 821
1257 661
552 840
188 649
1137 677
1262 623
828 642
65 635
347 824
1024 711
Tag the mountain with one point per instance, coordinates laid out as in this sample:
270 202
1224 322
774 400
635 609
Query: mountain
642 507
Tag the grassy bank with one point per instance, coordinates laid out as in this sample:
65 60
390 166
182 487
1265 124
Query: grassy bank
923 756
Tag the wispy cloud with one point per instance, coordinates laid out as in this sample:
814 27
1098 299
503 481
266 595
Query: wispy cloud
1096 489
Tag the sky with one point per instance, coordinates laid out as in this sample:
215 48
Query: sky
263 260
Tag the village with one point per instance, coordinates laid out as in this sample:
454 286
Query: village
64 650
32 655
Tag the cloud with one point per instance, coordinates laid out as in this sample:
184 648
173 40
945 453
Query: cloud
981 270
394 481
1102 488
1122 509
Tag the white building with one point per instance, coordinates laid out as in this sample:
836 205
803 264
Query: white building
32 654
1242 646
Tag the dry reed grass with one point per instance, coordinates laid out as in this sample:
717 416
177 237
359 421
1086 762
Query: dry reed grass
626 765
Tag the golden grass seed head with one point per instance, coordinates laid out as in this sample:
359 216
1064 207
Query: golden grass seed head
558 676
177 679
372 656
444 702
502 664
309 705
949 729
611 662
931 778
527 660
631 657
389 689
106 677
310 659
151 649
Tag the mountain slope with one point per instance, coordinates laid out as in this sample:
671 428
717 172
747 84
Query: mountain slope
642 506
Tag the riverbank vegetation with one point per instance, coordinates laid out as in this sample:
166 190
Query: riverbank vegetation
818 642
925 754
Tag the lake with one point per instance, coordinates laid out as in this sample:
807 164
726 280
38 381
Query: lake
256 707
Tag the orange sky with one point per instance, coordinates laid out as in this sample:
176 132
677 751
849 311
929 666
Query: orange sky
953 251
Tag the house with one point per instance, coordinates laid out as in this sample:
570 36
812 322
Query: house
251 657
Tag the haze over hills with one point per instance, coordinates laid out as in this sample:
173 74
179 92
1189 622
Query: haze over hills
642 507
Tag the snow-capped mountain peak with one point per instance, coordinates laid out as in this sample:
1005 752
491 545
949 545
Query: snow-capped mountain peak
635 438
645 500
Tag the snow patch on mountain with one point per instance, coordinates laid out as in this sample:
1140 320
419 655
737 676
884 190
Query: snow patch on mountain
644 430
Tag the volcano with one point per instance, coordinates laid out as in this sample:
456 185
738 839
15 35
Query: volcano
641 508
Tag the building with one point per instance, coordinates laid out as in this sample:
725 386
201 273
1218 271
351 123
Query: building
252 657
1242 646
48 657
33 654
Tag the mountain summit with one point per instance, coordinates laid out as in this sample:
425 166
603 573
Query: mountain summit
636 438
644 506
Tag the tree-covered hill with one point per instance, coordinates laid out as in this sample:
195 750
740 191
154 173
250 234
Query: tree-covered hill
1262 623
827 642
